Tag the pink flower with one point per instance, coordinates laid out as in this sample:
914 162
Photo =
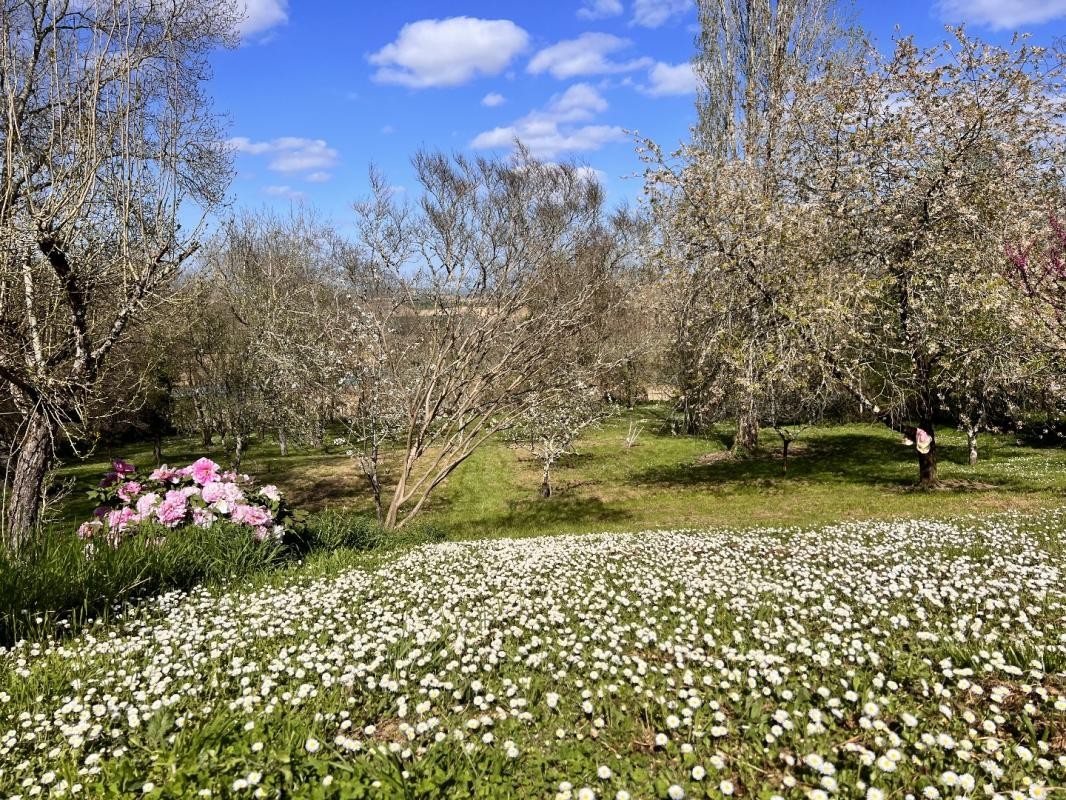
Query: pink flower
122 518
219 492
923 441
166 474
129 490
122 467
146 504
89 529
271 493
204 470
171 511
261 534
202 518
190 491
251 515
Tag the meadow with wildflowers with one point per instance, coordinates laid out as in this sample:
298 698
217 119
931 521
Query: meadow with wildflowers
875 660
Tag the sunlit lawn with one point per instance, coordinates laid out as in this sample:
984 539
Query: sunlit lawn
835 473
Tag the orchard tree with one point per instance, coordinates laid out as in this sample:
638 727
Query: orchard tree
472 300
1001 366
929 160
371 400
553 423
263 352
1037 269
726 204
106 138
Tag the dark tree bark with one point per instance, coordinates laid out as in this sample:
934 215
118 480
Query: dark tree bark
927 462
545 484
24 500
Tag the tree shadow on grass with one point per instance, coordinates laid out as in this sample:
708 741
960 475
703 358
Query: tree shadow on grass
838 458
558 511
321 493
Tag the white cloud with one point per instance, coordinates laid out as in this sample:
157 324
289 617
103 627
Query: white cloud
579 102
260 15
592 174
290 153
493 99
671 79
319 177
585 55
598 9
654 13
1001 14
283 191
552 130
448 52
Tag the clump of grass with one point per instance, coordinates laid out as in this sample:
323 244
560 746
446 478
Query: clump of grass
59 583
339 529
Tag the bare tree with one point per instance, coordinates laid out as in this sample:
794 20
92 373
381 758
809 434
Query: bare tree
261 356
479 299
107 139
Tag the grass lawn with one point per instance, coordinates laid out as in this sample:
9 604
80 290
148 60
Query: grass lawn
865 660
835 473
827 633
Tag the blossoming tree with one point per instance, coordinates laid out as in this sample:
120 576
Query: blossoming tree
929 160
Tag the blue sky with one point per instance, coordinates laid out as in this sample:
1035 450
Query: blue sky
319 90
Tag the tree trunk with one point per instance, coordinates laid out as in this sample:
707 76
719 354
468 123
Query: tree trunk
971 440
283 442
157 447
369 465
747 436
784 454
545 484
24 500
927 462
206 436
692 422
379 510
393 514
238 451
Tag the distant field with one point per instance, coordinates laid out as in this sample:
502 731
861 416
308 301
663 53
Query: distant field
835 473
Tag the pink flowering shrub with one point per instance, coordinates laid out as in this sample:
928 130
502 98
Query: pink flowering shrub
201 494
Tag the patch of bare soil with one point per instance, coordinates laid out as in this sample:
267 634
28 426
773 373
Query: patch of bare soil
953 485
715 457
388 730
